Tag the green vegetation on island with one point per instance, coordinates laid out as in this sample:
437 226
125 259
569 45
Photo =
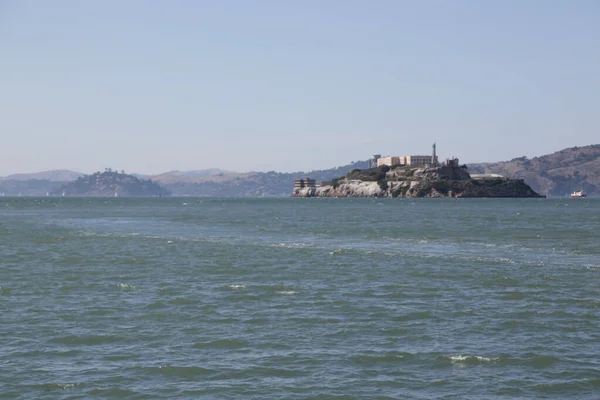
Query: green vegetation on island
111 183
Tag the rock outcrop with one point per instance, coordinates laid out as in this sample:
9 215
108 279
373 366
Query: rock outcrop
443 181
351 188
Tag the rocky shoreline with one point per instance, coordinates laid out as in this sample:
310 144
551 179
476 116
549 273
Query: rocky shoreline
411 182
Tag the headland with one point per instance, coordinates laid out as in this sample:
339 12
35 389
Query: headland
404 181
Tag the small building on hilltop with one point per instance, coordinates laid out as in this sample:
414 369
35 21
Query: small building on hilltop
305 182
373 160
406 160
452 162
389 161
413 160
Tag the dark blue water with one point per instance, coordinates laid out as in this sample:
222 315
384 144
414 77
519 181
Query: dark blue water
299 298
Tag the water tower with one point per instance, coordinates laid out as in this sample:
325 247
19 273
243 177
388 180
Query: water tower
373 160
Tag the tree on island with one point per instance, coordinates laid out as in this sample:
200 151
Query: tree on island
111 183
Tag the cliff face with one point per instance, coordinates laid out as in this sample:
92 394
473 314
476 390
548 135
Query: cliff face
351 188
446 181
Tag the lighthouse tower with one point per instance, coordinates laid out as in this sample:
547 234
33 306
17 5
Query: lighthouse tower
434 160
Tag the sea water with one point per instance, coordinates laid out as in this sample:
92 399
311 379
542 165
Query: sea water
177 298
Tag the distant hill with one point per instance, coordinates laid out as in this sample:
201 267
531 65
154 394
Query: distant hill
556 174
110 183
253 183
57 175
205 175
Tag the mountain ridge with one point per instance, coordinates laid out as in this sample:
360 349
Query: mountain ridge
555 174
54 175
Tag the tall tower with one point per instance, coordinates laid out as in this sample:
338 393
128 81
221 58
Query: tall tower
373 160
433 156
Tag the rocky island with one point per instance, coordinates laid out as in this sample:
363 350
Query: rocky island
110 183
448 180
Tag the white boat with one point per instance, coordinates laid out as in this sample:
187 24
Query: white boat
577 194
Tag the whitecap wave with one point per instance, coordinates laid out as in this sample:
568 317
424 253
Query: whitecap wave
67 385
236 287
125 286
460 359
289 245
286 292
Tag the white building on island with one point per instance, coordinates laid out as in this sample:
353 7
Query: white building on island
413 160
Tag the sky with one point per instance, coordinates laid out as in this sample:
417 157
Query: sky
153 86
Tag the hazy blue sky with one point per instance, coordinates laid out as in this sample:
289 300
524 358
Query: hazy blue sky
151 86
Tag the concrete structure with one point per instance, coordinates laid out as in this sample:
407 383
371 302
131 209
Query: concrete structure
373 160
486 176
389 161
452 162
413 160
407 160
419 160
302 183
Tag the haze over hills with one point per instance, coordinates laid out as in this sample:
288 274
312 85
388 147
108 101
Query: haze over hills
556 174
110 183
205 175
56 175
250 183
192 176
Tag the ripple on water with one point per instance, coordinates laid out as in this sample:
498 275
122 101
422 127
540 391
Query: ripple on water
113 393
183 372
280 298
47 387
183 301
568 387
87 340
513 296
470 360
413 316
46 353
222 344
539 361
384 358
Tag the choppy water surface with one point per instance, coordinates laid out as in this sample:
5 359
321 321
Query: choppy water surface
299 298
